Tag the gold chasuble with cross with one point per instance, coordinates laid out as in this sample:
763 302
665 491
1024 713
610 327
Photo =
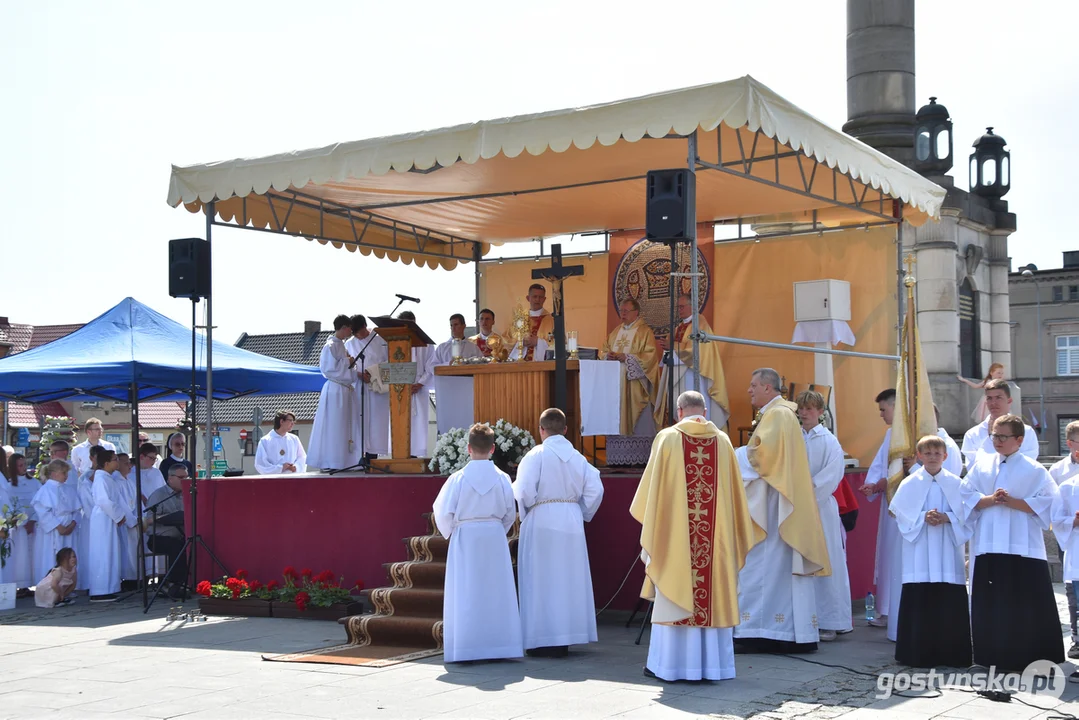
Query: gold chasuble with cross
696 527
777 452
637 340
541 326
711 368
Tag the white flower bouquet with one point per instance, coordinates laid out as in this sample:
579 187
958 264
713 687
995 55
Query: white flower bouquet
451 450
10 518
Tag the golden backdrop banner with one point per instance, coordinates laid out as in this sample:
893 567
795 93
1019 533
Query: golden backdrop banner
754 299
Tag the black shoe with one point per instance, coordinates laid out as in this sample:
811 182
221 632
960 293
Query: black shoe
1073 651
649 674
103 598
178 592
129 585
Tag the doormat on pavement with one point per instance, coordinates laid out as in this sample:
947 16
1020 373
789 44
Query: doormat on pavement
357 655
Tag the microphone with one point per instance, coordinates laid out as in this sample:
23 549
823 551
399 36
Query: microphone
408 297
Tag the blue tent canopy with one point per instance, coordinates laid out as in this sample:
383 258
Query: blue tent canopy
133 345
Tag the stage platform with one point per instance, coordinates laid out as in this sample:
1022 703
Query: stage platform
353 523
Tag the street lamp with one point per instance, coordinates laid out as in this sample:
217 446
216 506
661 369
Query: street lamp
1028 271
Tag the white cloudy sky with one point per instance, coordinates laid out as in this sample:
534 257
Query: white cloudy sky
100 98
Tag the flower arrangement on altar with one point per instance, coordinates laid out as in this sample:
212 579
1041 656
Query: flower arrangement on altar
511 445
301 589
10 518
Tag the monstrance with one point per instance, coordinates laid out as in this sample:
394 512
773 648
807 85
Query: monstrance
520 329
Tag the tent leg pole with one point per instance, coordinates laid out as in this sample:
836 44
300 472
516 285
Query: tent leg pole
140 554
211 210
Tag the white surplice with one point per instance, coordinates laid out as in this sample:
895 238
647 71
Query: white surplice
977 441
80 455
775 603
129 533
888 564
152 480
84 488
934 554
833 591
21 562
999 529
56 504
557 491
275 450
1063 516
474 510
376 406
335 437
443 354
421 400
1064 469
540 352
105 535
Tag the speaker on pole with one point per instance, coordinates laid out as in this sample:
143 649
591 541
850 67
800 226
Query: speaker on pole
189 268
671 212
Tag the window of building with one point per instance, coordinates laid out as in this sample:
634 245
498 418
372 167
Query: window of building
970 356
1068 355
1058 293
1073 292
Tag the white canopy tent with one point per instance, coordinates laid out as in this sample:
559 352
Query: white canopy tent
444 196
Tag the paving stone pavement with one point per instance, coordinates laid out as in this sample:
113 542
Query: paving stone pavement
97 661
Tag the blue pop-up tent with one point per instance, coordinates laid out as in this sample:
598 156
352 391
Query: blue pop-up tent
133 353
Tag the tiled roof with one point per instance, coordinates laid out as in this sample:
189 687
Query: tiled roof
47 333
160 415
239 410
17 335
32 416
293 347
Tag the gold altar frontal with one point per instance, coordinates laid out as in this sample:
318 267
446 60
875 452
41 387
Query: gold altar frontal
518 392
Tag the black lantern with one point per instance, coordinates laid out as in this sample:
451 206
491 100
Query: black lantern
990 166
933 139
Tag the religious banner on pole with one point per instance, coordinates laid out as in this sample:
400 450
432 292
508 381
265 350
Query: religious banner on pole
914 417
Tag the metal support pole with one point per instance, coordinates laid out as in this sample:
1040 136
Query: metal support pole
671 349
476 261
800 348
140 552
211 211
691 142
900 273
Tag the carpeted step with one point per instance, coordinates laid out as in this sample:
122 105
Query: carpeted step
407 602
428 575
393 630
426 548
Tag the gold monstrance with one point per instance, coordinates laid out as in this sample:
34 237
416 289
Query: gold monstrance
520 328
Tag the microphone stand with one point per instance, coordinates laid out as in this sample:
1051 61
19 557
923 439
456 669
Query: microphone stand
364 464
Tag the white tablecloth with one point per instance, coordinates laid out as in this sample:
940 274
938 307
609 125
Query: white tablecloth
601 397
823 331
453 402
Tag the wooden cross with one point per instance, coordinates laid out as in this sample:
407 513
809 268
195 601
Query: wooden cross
555 275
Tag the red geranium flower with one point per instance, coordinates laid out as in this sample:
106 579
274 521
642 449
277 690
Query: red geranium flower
255 585
306 572
242 574
302 599
289 571
359 585
273 585
204 588
326 576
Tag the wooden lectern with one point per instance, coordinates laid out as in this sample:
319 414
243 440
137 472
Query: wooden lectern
401 336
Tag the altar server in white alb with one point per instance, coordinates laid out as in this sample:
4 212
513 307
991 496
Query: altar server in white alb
106 527
57 506
443 353
888 563
335 437
1066 526
280 451
129 534
1013 612
371 397
979 441
421 392
557 492
474 510
931 507
21 490
826 467
1065 469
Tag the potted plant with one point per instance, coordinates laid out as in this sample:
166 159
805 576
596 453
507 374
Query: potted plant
234 596
317 597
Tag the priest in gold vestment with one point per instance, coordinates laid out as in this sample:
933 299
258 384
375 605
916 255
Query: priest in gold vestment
633 344
776 592
713 383
696 533
541 322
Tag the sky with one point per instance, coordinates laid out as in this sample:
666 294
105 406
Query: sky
100 99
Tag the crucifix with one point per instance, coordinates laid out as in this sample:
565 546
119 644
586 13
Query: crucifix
555 275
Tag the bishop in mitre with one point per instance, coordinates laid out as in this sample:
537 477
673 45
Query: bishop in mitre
696 534
713 382
634 346
776 588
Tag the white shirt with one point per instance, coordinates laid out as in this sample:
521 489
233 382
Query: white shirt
934 553
275 450
1064 469
977 441
1063 516
443 354
1000 529
80 454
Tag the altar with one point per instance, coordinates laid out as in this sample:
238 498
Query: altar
519 391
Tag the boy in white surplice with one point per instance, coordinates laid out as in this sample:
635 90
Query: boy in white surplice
474 510
557 492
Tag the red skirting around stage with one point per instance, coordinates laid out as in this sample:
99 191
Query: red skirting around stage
352 524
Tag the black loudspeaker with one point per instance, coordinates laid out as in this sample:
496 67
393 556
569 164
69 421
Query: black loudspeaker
671 210
189 268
